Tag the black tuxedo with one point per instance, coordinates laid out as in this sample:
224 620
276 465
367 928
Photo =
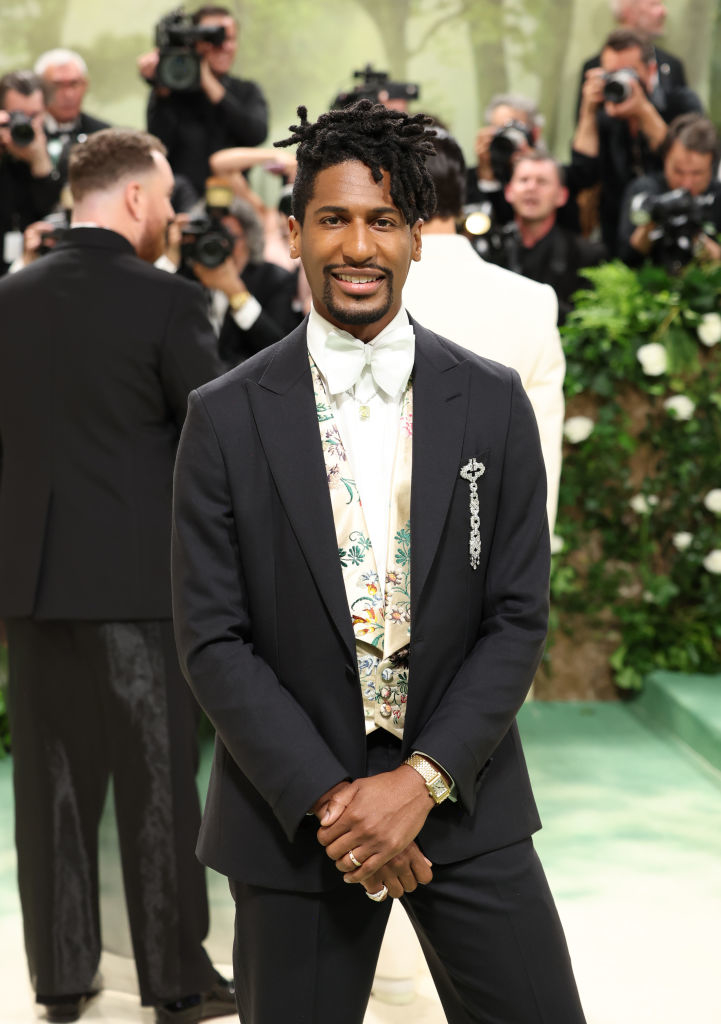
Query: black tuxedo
265 636
97 354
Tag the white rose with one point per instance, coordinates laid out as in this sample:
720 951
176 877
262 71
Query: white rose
680 406
578 428
653 359
712 562
712 501
639 504
556 544
681 540
709 330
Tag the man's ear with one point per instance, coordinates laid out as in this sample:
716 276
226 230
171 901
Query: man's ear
294 239
416 240
135 200
562 197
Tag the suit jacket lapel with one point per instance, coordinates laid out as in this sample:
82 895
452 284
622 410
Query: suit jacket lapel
284 409
440 405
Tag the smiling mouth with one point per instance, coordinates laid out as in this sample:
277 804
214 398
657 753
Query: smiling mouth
358 284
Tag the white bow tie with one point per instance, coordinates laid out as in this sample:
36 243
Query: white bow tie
390 361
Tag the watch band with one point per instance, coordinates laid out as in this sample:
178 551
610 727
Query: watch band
238 300
435 783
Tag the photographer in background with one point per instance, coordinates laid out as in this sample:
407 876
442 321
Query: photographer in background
631 129
675 214
251 302
65 77
211 111
536 245
29 185
513 129
647 17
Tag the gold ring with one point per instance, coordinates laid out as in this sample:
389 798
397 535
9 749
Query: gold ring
379 896
354 859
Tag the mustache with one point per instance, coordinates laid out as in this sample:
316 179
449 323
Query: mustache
331 267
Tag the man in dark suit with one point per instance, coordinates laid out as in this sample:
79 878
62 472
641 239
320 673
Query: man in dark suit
630 127
649 18
97 355
383 713
65 75
29 185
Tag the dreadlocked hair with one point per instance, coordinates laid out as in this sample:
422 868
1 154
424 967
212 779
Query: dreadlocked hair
382 139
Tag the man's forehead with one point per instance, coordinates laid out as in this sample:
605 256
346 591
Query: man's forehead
68 69
350 183
539 168
616 59
18 101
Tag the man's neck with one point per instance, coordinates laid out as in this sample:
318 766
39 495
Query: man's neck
533 231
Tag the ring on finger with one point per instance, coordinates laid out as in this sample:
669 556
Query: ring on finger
379 896
354 859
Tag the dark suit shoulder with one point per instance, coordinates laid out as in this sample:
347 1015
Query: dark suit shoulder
482 366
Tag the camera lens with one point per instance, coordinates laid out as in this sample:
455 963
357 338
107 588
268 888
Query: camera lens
178 70
21 129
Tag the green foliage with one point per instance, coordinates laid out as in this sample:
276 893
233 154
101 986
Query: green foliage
637 533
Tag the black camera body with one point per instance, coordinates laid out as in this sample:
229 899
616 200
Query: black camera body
178 63
373 83
618 85
506 142
679 218
207 241
60 225
21 129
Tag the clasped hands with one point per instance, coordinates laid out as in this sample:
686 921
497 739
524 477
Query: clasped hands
377 819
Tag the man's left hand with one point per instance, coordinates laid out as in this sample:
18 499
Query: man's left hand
376 818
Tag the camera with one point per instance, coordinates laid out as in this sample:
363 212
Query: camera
21 129
373 84
506 142
207 241
176 37
60 223
679 218
617 85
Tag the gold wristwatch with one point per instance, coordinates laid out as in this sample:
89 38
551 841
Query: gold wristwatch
238 300
435 783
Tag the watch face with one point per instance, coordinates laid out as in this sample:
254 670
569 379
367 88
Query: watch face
439 790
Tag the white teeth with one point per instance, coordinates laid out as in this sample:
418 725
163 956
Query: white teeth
355 280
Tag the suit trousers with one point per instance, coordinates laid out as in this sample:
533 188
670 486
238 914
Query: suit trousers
91 701
488 928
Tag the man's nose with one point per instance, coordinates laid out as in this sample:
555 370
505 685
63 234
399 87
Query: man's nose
358 242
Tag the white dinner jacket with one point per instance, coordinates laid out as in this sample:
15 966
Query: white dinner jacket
502 316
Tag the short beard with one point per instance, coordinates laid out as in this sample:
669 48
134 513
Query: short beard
361 316
152 244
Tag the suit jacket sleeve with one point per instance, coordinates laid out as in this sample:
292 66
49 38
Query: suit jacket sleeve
273 741
482 700
189 349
